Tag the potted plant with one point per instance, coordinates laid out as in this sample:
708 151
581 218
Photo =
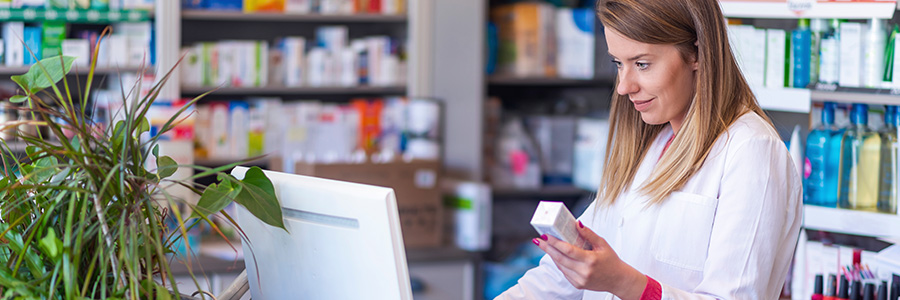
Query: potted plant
81 217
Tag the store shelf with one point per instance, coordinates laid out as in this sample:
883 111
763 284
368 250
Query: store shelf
73 16
17 147
218 162
832 93
9 71
360 90
206 15
851 221
543 192
783 99
546 82
785 9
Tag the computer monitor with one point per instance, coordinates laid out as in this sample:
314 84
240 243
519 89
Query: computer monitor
343 242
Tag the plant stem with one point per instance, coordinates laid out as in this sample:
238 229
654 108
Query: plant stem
105 229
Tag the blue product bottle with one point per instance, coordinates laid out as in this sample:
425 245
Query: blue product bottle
801 42
818 191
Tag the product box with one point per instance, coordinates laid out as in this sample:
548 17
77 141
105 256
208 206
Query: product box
851 54
526 36
575 43
415 185
776 43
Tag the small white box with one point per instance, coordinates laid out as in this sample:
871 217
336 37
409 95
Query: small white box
552 218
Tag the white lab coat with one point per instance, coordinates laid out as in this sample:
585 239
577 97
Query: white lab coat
729 233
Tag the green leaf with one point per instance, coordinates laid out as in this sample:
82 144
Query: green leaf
155 151
144 126
18 98
51 245
166 166
36 79
215 198
258 197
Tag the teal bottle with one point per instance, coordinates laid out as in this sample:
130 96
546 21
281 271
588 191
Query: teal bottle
821 185
888 188
859 166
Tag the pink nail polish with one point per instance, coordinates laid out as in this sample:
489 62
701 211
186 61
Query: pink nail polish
536 241
544 237
580 225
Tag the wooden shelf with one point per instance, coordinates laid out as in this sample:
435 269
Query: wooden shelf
207 15
851 221
10 71
217 162
546 81
359 90
832 93
781 9
552 191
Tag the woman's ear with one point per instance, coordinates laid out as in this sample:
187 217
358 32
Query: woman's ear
696 64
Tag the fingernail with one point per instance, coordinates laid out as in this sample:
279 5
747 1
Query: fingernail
580 225
544 237
536 241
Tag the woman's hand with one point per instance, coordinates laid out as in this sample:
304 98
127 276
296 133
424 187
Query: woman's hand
598 269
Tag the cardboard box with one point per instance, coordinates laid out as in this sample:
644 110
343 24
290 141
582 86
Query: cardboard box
415 185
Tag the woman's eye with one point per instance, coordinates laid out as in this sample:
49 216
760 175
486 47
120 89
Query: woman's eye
617 63
641 65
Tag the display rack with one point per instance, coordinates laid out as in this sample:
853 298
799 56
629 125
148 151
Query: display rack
849 221
73 16
10 71
784 9
547 82
358 90
199 15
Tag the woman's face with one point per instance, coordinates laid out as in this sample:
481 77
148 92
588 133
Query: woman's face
655 78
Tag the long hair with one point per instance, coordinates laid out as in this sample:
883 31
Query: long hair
721 95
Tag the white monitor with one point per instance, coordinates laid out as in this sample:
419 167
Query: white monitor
344 242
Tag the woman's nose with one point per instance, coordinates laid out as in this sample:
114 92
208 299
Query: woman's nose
626 84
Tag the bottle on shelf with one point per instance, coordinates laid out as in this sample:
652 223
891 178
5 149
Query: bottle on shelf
888 189
821 185
830 54
873 63
818 28
800 51
859 166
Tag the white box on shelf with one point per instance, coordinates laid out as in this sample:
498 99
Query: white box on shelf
13 34
297 6
590 146
80 49
851 54
575 43
776 40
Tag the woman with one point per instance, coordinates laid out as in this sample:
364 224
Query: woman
699 199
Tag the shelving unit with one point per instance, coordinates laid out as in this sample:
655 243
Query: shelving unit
287 17
552 191
9 71
358 90
849 221
547 82
73 16
783 9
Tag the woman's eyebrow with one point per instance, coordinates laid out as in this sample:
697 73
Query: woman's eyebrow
633 58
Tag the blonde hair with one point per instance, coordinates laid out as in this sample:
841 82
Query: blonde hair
697 28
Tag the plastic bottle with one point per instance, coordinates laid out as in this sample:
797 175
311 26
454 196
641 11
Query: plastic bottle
830 54
859 169
888 187
817 189
800 53
875 42
818 28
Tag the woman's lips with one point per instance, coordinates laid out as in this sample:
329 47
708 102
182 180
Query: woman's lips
642 105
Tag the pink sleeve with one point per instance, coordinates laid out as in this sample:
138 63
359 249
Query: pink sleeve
653 290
